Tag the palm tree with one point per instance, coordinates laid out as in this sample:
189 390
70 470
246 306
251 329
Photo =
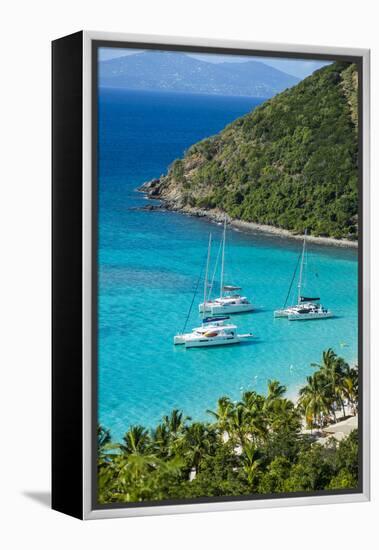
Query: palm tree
135 441
161 440
238 424
314 400
174 426
104 446
255 417
283 415
329 367
276 407
275 390
250 462
350 387
198 442
125 475
134 478
175 422
103 437
137 467
328 358
332 369
223 414
251 400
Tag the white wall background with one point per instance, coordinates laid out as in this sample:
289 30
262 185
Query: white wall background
27 29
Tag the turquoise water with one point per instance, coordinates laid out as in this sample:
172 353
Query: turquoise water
149 263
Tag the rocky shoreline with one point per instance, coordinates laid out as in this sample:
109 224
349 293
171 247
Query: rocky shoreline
152 191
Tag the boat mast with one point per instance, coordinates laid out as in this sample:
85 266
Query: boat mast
206 274
223 261
301 270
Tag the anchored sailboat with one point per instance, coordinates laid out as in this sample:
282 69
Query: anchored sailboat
229 300
214 331
307 307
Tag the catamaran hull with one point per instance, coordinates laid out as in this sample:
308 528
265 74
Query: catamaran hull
280 313
211 342
225 310
309 316
208 342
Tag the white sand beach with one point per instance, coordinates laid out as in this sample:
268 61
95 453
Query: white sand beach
338 431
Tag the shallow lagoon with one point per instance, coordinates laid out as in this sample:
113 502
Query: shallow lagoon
149 263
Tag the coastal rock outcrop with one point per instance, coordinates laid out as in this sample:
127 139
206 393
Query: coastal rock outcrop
291 164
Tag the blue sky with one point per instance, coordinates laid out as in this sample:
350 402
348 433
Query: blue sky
296 67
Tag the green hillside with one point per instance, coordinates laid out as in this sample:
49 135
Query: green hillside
291 163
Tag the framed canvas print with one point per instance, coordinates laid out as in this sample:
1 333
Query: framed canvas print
210 275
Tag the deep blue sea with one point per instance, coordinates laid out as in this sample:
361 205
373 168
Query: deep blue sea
149 263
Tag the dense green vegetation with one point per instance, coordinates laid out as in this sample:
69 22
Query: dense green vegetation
255 446
291 163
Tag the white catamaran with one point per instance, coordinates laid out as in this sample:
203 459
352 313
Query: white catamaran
229 300
214 331
306 308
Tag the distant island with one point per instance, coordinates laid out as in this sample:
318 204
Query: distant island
289 165
177 72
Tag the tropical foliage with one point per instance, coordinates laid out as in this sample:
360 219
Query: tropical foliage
291 163
262 444
333 386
